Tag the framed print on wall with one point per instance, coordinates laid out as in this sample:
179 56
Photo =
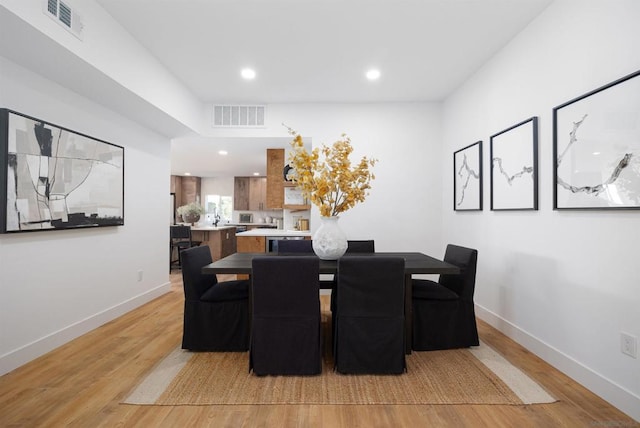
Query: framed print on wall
514 167
596 148
467 178
53 178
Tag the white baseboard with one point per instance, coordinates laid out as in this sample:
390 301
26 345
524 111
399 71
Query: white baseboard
606 389
16 358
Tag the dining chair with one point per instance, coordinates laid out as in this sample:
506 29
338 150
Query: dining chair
285 331
179 239
353 247
369 316
295 246
443 312
216 314
361 246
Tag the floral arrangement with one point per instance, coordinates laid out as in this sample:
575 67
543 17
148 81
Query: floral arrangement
330 182
191 209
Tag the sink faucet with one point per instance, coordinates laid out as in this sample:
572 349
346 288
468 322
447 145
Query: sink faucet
216 220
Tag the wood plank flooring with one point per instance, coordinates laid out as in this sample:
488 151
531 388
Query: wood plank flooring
82 383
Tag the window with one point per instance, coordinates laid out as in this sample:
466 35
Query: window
218 205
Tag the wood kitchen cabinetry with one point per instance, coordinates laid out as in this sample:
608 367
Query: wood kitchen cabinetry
221 241
250 244
186 189
250 193
275 179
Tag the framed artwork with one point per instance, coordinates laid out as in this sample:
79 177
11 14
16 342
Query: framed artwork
514 167
53 178
467 178
596 148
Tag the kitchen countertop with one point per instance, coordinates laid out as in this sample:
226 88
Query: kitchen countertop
265 225
211 228
274 232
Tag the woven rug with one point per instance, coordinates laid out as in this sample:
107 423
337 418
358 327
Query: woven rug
464 376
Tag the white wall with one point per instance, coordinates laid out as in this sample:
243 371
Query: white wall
403 210
113 65
564 284
57 285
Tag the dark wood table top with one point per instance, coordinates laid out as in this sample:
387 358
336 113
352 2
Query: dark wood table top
414 263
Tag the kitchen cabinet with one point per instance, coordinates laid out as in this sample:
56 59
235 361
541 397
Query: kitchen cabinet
275 179
250 244
186 189
220 240
249 193
257 193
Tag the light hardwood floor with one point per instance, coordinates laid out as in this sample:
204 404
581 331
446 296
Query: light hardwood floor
82 383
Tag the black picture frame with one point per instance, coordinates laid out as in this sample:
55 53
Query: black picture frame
596 148
467 178
514 167
53 178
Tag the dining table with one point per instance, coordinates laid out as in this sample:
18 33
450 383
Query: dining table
414 263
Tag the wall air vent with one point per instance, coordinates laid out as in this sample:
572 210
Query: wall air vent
62 12
239 116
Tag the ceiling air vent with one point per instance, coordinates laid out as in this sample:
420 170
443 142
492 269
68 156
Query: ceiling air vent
62 12
238 116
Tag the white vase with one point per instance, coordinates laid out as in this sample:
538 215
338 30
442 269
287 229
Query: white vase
329 242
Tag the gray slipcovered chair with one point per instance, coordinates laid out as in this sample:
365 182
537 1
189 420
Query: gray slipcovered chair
443 311
216 314
369 316
285 331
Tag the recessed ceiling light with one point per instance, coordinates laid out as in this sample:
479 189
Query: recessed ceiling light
256 173
223 152
373 74
248 73
187 173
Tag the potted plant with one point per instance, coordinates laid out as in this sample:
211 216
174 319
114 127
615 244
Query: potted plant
327 178
190 213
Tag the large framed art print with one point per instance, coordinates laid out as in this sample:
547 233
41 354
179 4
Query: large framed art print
54 178
596 148
467 178
514 167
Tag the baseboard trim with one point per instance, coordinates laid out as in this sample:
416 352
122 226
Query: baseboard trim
616 395
18 357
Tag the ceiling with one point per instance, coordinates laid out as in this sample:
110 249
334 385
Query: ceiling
309 51
199 156
319 50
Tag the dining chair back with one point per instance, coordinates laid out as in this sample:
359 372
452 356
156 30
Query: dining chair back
216 314
179 239
443 314
361 246
285 332
295 246
369 316
353 247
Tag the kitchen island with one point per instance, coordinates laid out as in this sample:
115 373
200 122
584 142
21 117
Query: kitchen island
221 239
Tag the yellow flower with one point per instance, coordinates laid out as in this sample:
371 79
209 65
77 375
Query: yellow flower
330 183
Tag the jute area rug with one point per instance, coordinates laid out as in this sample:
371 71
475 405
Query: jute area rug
465 376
